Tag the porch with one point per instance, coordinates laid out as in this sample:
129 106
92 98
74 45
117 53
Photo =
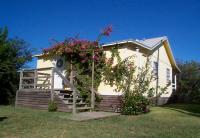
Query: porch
36 89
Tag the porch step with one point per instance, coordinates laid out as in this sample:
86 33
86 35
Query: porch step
67 98
83 108
72 98
64 94
63 91
71 101
76 103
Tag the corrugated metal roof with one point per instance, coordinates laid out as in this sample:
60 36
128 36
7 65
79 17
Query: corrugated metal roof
152 41
148 43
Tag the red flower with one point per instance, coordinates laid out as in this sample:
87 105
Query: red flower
107 30
71 44
84 60
95 57
54 47
82 54
83 47
68 50
95 43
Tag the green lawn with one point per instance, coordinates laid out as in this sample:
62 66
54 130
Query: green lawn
168 121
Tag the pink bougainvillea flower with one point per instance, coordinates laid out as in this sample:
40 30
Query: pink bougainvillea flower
82 54
84 60
96 58
83 47
95 43
68 50
71 44
106 31
52 48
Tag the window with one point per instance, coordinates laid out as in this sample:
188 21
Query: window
155 68
168 75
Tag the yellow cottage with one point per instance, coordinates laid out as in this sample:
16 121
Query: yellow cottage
157 49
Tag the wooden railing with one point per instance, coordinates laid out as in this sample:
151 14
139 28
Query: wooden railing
35 78
39 79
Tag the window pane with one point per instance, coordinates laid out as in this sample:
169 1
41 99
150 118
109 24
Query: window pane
155 68
168 75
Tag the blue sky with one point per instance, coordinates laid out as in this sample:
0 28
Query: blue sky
38 21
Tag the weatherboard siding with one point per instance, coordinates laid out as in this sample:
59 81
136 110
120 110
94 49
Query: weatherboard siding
164 63
140 60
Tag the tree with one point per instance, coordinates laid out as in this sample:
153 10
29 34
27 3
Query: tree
188 81
14 54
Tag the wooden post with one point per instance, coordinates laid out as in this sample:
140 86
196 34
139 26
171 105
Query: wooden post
74 91
20 79
175 82
92 95
157 76
52 84
35 78
71 74
74 102
16 98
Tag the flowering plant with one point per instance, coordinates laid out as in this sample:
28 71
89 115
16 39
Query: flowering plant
81 53
80 49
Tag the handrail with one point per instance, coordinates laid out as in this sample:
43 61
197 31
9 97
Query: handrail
38 69
75 91
94 91
66 81
50 79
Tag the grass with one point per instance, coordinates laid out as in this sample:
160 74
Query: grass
175 121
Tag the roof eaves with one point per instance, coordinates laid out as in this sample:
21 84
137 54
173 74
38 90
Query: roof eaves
127 41
172 55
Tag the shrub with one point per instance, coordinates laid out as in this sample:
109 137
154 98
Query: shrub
135 104
52 107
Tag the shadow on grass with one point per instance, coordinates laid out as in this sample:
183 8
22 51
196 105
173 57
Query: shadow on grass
3 118
189 109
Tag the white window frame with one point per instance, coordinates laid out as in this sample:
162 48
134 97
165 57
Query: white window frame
155 68
168 75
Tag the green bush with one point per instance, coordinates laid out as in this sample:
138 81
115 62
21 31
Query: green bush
135 104
52 107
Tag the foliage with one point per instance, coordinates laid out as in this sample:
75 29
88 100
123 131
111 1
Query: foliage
135 104
133 85
188 82
80 54
134 82
52 106
14 54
